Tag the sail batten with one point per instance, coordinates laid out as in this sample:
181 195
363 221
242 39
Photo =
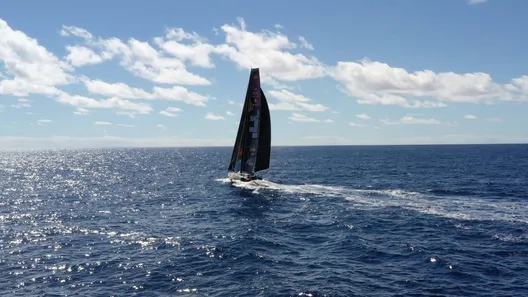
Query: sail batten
251 151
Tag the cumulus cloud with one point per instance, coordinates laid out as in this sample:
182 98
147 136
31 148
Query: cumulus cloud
297 117
102 123
81 56
292 101
270 51
81 111
170 111
213 117
22 103
29 67
141 59
165 58
354 124
378 83
42 122
301 118
111 103
163 63
412 120
470 117
305 43
122 90
362 116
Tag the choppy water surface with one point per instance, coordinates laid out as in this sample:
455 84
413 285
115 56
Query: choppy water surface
327 221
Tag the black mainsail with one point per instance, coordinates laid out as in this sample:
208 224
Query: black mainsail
251 152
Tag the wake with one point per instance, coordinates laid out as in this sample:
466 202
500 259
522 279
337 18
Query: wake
320 190
456 207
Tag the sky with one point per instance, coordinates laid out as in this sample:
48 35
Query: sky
174 73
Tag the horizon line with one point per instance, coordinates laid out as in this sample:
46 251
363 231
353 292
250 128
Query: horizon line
273 146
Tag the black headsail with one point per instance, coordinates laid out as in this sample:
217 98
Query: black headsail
251 152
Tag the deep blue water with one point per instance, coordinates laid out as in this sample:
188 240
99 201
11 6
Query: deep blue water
331 221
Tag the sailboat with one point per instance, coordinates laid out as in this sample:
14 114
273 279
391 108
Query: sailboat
251 152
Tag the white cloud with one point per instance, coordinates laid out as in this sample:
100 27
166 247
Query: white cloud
23 87
81 111
81 56
42 122
167 114
301 118
363 116
269 51
354 124
75 31
111 103
164 61
161 126
178 93
30 68
174 109
292 101
143 60
198 53
102 123
305 43
170 111
474 2
125 125
470 117
412 120
122 90
22 103
379 83
213 117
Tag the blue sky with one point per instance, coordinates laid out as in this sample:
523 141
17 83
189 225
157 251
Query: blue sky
164 73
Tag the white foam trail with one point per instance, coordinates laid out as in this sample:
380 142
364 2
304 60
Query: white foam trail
299 189
462 208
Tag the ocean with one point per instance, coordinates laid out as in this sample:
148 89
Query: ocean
447 220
